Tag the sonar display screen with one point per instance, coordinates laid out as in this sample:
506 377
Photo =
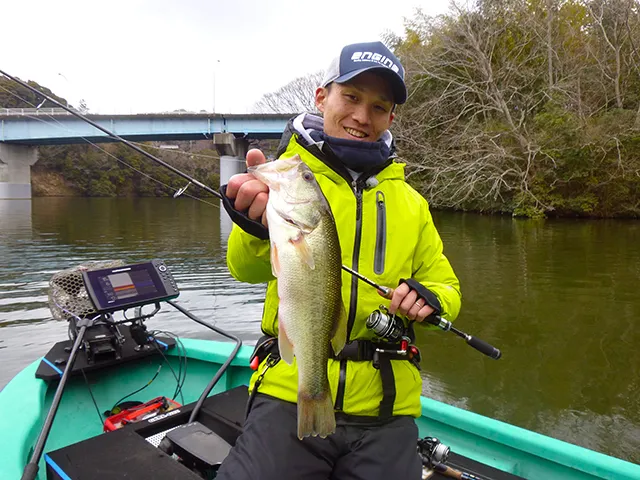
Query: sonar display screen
119 286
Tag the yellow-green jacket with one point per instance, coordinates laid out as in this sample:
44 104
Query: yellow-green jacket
386 233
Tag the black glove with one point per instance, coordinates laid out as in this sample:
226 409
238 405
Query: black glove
252 227
424 293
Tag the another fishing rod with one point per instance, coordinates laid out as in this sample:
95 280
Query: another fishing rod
437 320
114 136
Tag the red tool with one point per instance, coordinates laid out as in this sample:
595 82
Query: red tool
140 412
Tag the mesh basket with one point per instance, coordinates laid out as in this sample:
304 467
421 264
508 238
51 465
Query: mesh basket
68 296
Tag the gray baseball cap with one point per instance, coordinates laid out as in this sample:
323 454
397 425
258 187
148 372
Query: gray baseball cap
362 57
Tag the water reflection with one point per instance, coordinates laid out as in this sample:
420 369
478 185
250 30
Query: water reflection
15 217
559 297
66 232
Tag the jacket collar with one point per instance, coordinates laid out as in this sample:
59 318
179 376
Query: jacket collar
300 128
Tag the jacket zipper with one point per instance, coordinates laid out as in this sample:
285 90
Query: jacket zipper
357 190
332 162
381 234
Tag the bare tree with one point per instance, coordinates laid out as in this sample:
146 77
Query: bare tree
510 105
612 41
295 97
468 139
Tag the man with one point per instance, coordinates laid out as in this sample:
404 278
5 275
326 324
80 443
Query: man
386 233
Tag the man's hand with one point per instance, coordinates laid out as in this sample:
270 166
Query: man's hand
249 192
405 302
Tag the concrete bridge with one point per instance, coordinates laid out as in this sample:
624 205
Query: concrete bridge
23 130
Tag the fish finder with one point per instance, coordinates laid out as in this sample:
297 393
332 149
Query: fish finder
128 286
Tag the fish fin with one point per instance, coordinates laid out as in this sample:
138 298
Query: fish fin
315 415
275 261
284 344
339 337
302 247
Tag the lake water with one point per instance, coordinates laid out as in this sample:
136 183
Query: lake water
560 298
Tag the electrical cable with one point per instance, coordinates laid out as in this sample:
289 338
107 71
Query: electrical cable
95 404
139 390
155 344
182 356
223 367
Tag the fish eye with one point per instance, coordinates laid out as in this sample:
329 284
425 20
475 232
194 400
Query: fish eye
308 176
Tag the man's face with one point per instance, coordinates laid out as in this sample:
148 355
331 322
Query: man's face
360 109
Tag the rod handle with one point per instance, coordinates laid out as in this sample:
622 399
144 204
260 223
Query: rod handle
30 472
484 347
386 293
453 473
447 471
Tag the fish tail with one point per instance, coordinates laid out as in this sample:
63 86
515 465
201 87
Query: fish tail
315 415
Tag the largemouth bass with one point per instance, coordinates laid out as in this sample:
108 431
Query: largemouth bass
306 260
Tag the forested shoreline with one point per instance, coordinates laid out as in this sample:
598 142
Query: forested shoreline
530 107
113 170
523 107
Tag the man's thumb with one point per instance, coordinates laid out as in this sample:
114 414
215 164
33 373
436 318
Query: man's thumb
255 157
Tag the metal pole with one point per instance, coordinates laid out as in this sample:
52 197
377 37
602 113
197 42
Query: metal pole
31 470
214 84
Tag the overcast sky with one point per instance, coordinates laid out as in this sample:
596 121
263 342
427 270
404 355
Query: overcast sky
133 56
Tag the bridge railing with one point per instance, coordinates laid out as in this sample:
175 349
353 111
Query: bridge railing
33 111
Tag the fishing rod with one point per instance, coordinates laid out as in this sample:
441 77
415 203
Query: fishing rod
476 343
437 320
115 137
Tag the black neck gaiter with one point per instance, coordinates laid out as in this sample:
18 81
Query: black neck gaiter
354 154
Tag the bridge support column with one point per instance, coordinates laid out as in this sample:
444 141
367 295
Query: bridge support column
233 152
15 170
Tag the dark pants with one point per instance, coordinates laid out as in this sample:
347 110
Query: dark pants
270 449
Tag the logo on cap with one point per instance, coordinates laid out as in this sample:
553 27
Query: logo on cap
376 58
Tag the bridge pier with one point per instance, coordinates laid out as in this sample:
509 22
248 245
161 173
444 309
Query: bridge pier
233 152
15 170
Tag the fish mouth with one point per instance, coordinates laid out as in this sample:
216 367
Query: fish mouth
276 173
281 172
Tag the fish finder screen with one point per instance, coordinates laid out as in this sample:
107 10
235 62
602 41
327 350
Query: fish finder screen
119 286
124 287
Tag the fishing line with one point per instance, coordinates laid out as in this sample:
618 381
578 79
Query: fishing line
114 136
19 97
62 127
184 152
59 125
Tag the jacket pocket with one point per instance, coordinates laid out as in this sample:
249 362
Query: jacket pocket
381 234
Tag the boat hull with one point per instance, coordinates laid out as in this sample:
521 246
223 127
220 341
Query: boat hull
26 399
